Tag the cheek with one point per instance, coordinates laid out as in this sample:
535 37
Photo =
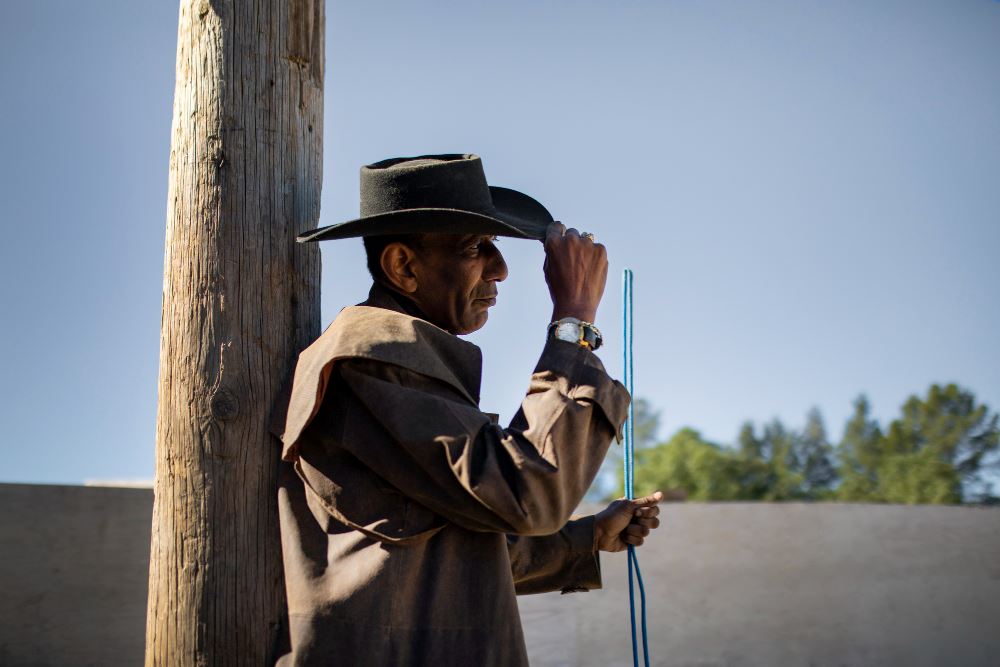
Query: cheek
464 285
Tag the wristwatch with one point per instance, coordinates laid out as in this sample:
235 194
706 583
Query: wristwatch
572 330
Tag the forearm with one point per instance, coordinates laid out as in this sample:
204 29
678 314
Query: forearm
565 561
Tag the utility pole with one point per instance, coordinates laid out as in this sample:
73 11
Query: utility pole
240 300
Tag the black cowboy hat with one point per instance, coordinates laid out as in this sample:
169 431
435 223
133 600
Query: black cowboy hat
436 193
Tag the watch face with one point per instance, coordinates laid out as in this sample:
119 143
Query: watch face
568 331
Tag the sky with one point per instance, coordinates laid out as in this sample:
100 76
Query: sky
807 192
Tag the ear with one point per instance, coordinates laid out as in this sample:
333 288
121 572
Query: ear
397 264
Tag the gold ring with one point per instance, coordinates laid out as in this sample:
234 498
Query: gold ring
587 235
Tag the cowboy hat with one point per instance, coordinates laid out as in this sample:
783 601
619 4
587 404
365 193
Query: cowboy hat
436 193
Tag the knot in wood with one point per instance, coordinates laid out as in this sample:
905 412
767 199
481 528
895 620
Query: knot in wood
224 405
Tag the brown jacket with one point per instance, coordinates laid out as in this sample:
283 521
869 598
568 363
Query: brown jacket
411 519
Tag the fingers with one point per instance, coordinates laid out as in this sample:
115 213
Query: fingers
634 535
554 230
576 270
652 523
557 231
641 507
647 511
637 532
645 518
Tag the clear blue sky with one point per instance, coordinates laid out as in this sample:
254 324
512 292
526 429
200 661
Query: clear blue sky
807 191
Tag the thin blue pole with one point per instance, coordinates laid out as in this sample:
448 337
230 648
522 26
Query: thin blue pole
642 607
629 471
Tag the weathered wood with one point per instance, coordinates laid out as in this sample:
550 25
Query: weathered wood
240 299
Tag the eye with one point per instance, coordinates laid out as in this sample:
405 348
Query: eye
481 244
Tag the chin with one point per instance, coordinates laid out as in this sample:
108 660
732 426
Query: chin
475 323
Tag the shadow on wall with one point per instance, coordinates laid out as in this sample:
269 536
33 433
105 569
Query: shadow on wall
740 583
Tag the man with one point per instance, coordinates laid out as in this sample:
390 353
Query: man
412 519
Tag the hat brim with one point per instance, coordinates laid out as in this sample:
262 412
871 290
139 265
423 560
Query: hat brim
517 215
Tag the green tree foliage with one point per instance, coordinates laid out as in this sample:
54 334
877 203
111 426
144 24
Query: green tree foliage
756 475
812 456
860 454
609 484
933 453
761 467
786 465
702 470
786 480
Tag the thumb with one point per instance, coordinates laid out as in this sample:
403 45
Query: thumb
646 501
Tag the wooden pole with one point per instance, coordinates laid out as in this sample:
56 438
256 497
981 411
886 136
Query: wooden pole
240 300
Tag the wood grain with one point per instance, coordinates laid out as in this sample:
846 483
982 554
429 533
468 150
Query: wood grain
240 300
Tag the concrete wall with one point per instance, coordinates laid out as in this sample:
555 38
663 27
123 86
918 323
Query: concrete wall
74 563
728 584
793 584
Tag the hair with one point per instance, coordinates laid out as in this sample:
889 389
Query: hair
375 245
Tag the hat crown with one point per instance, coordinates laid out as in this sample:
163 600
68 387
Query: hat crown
450 181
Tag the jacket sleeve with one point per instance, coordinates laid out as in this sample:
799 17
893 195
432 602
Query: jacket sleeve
437 448
565 561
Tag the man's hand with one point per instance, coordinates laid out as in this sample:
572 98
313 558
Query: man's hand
626 522
576 270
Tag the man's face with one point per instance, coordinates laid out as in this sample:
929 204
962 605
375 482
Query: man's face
457 276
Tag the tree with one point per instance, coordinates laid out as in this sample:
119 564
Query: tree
609 481
749 445
860 454
778 450
937 447
760 468
756 475
933 453
688 463
813 457
240 300
647 423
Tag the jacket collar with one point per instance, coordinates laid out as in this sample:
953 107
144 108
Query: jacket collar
381 330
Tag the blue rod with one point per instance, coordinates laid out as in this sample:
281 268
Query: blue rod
629 472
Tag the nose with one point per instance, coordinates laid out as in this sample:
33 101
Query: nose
496 269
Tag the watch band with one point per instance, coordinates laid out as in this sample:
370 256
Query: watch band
572 330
